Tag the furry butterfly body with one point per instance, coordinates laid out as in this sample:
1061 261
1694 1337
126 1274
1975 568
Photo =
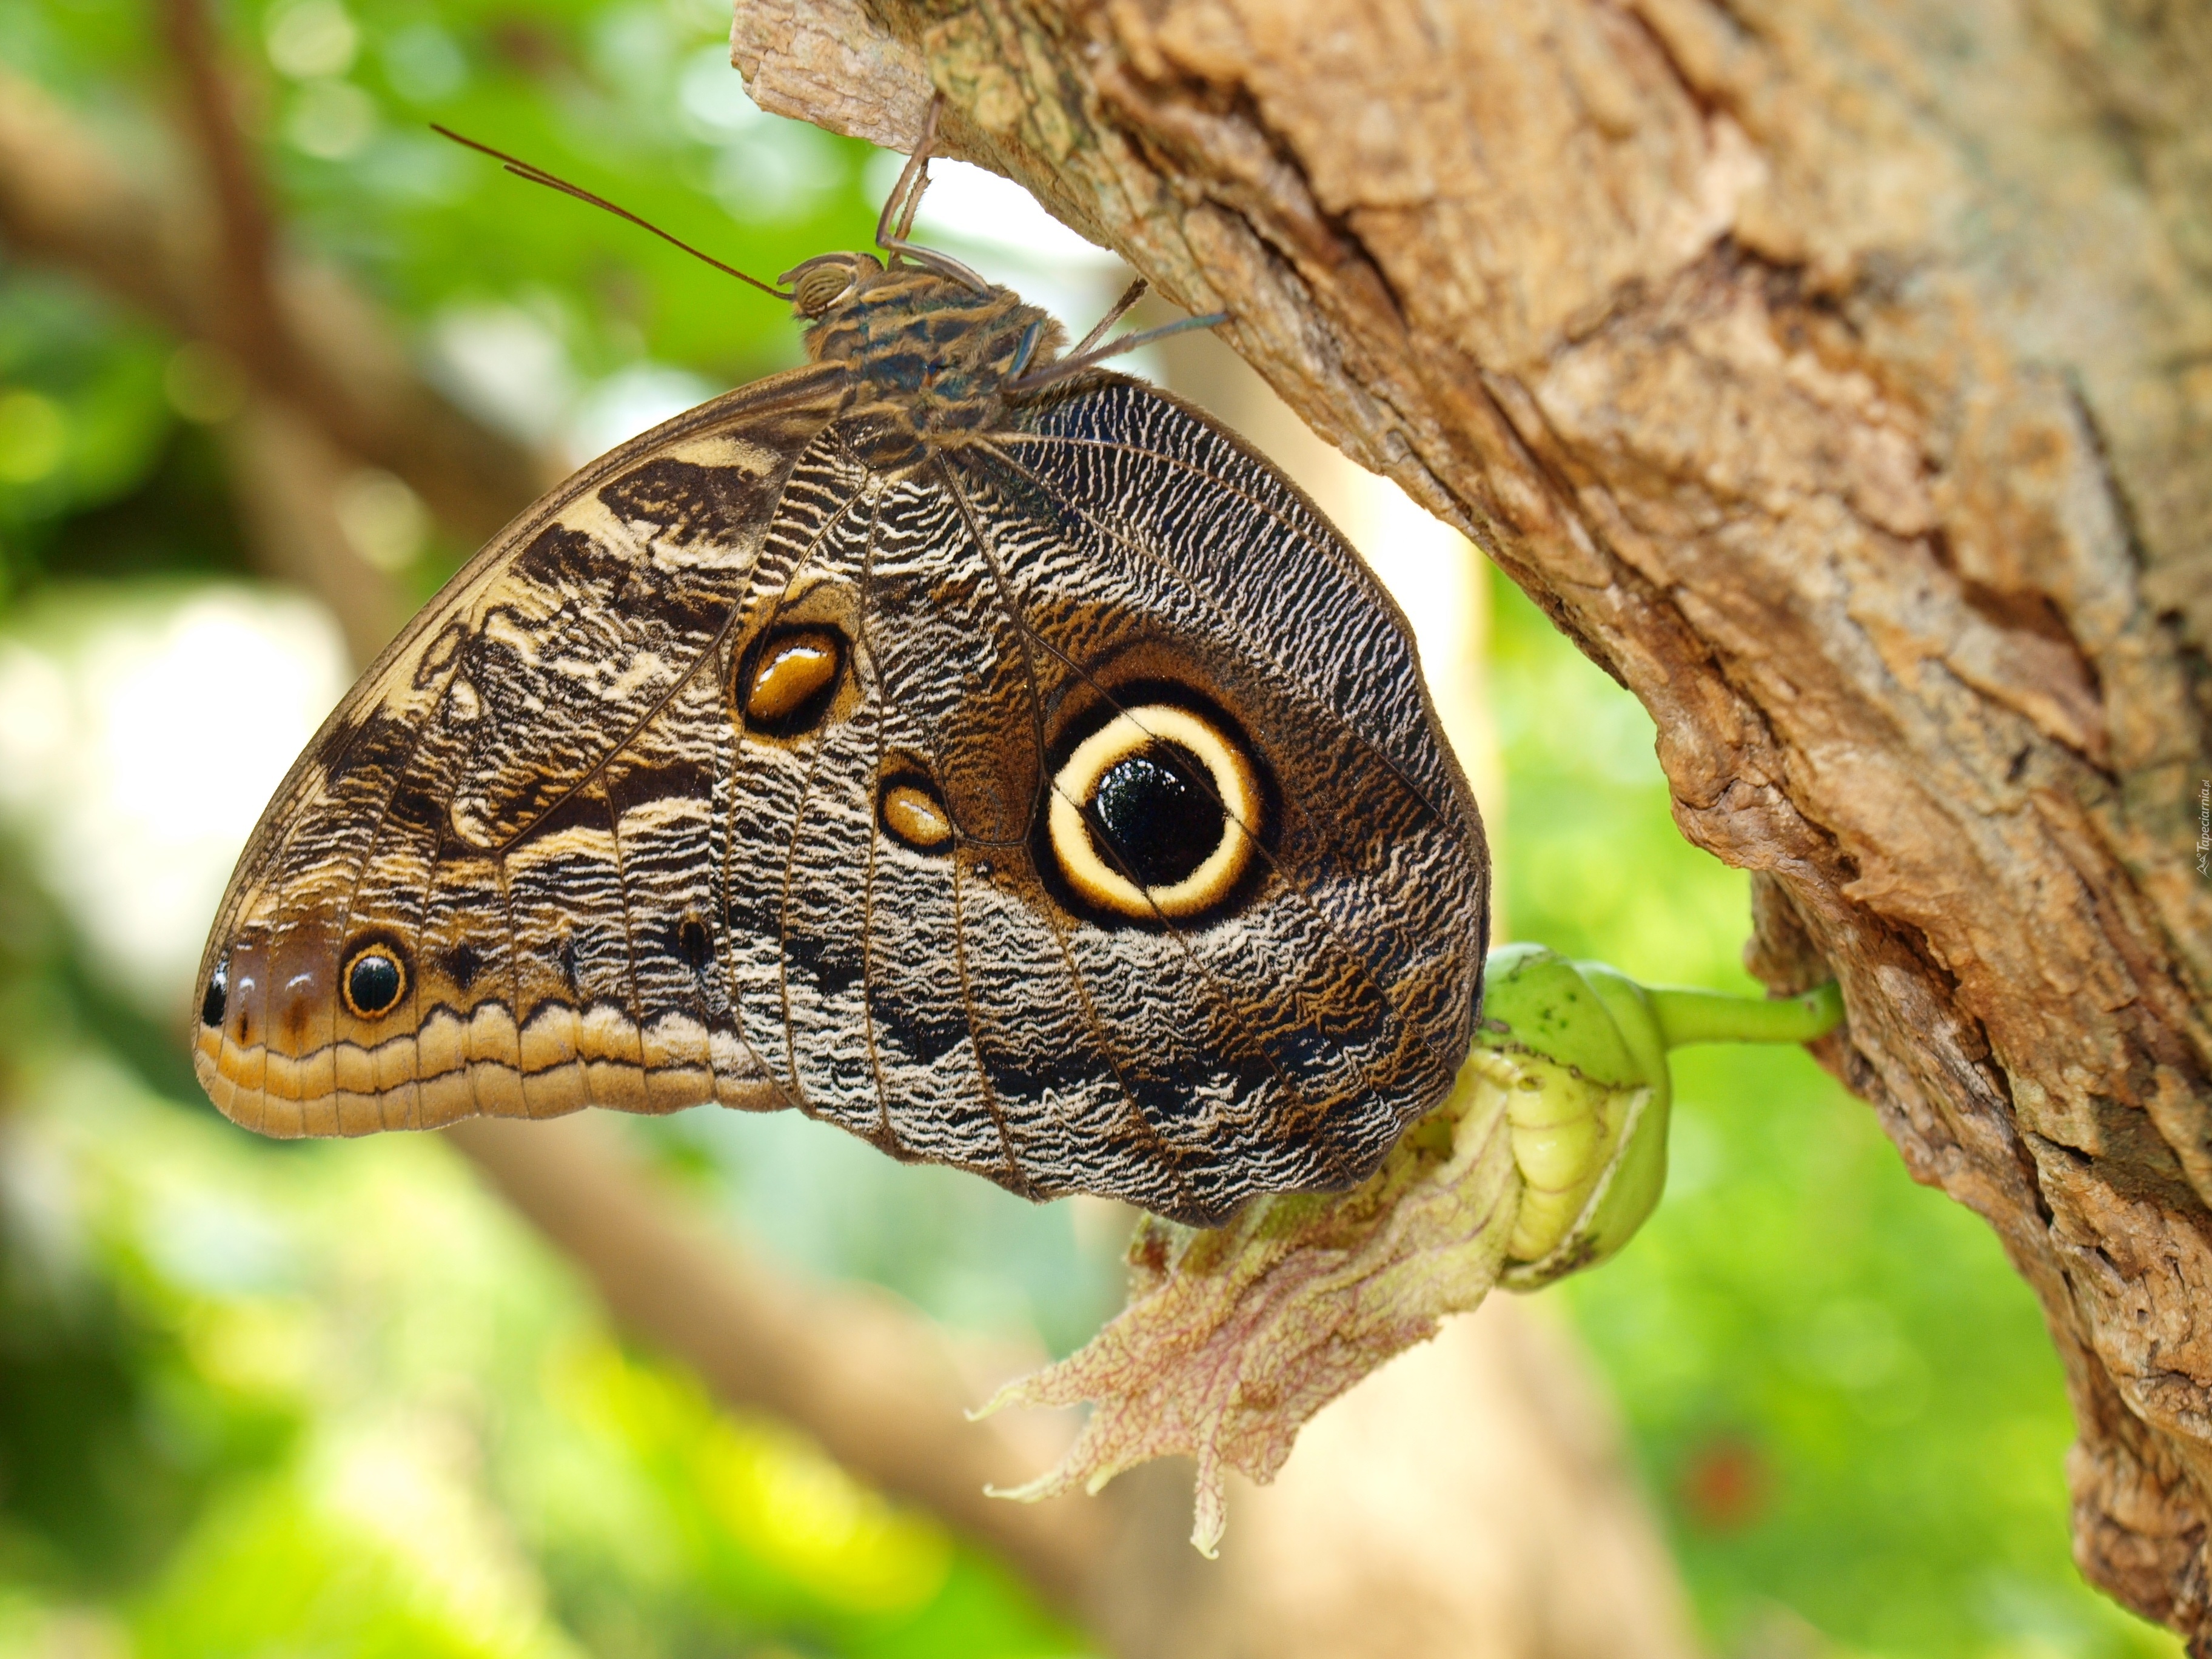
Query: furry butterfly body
1031 781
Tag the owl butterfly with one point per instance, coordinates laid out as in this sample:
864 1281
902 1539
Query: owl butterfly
978 750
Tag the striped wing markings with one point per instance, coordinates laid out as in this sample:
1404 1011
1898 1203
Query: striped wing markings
934 1097
561 888
661 823
631 989
580 1034
819 744
307 791
654 1082
1287 675
352 722
842 1048
493 1047
1234 473
685 546
358 1067
863 651
305 797
1232 1008
599 1081
766 782
312 793
1316 823
810 941
1046 1072
647 1083
658 826
1173 1189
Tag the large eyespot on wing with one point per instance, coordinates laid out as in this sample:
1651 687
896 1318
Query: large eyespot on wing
1155 816
373 980
1331 1002
378 959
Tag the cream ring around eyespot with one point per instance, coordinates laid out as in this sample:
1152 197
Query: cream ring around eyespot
1234 784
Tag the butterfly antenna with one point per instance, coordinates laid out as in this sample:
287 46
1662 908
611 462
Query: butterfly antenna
537 175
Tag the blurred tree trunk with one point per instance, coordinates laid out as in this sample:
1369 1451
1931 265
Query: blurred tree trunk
327 389
1472 1498
1839 376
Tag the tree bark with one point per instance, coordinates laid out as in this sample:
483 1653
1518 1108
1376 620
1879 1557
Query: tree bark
1840 377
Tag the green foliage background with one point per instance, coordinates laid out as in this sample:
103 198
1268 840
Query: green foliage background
332 1400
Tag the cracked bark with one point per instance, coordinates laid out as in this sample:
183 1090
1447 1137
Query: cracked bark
1839 378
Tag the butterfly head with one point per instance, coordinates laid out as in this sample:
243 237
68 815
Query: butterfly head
828 281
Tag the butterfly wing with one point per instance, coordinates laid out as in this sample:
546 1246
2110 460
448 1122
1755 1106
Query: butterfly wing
730 773
962 1002
483 887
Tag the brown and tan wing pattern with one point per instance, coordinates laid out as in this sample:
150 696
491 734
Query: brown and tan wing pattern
959 1002
486 885
746 770
1333 1002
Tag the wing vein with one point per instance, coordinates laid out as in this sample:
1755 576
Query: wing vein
1030 636
1318 826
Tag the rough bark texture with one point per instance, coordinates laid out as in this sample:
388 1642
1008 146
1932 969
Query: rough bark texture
1839 375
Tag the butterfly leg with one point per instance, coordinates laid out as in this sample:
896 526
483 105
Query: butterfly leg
1136 291
914 179
896 222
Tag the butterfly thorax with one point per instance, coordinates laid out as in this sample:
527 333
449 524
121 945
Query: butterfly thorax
930 355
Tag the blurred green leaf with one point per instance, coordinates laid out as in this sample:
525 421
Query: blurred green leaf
82 418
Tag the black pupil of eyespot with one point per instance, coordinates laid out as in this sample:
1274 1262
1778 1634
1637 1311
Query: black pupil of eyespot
373 983
1152 816
218 993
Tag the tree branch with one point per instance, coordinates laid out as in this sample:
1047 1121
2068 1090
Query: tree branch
1739 337
253 326
309 342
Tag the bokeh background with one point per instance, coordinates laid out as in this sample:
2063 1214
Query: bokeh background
337 1400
